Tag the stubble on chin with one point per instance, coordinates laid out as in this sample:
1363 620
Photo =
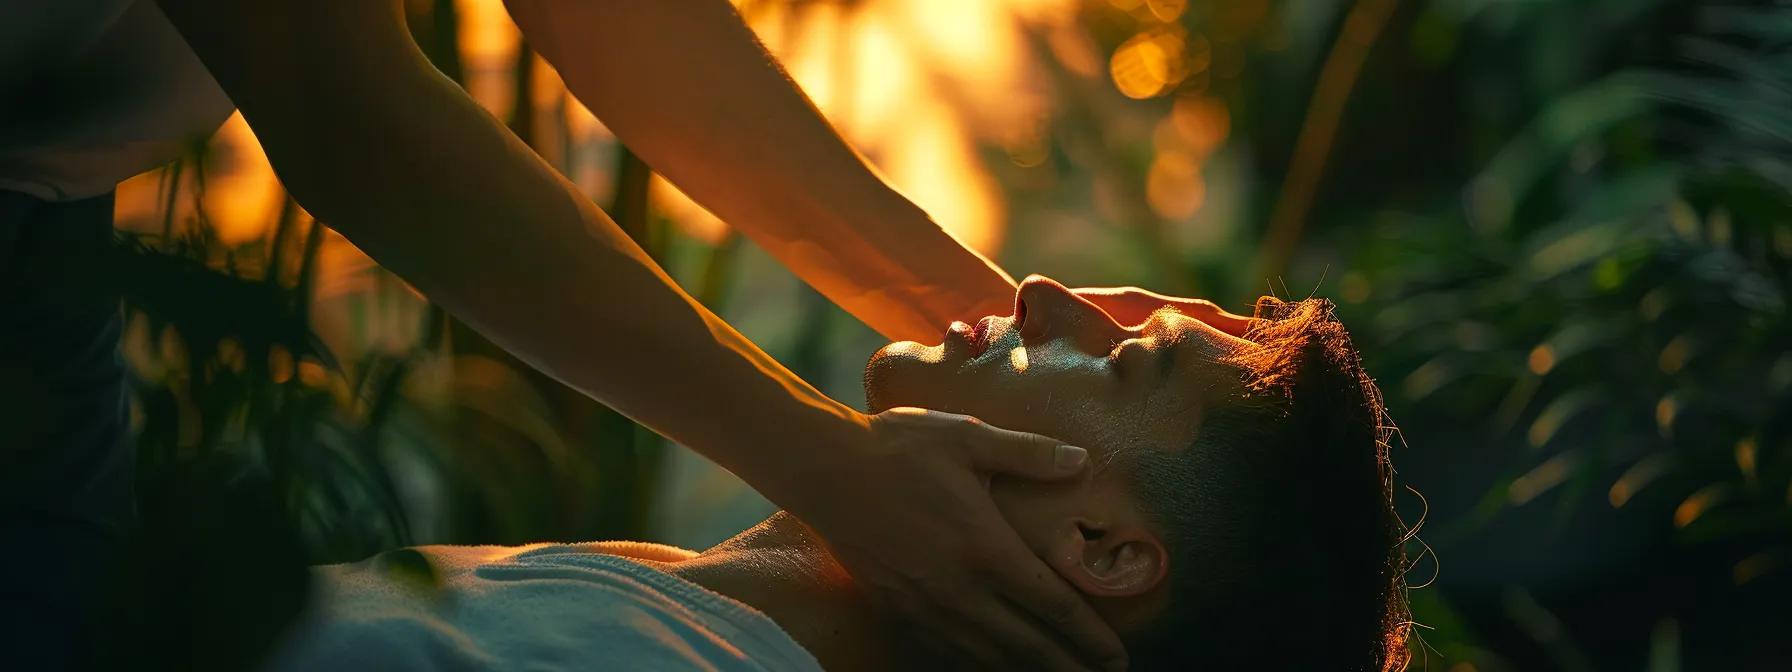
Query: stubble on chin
886 366
877 369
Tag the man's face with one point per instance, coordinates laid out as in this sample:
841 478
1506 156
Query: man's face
1061 367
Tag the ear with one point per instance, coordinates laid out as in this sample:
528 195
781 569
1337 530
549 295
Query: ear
1109 560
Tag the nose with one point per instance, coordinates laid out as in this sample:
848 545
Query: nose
1047 310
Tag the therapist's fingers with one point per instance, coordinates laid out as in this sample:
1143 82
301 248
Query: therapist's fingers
912 519
1127 305
1020 638
981 630
1025 454
1132 306
1215 316
1040 592
958 646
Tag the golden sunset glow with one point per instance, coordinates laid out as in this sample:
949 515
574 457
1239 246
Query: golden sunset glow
242 196
928 91
488 46
1174 187
922 88
690 217
919 88
241 201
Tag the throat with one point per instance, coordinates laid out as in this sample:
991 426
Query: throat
782 569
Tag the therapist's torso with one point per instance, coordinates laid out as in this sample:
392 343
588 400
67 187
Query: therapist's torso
93 92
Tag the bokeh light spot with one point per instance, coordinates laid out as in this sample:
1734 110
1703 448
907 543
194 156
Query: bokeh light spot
1542 359
1746 452
1173 187
1354 288
1167 10
1201 121
1755 566
1698 504
1152 63
279 364
1553 472
1665 411
1637 477
311 373
1673 356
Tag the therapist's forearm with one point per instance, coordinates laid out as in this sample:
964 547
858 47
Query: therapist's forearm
687 86
372 140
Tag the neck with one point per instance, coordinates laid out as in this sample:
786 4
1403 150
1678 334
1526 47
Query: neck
781 568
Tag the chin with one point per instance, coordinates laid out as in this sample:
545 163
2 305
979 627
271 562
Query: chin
892 363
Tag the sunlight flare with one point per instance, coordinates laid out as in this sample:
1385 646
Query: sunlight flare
1018 359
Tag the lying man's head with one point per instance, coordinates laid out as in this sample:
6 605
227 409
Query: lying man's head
1238 512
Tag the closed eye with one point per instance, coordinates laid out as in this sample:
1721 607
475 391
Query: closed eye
1159 356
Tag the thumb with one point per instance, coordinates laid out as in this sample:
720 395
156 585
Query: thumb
1024 454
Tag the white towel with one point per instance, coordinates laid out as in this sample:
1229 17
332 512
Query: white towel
541 607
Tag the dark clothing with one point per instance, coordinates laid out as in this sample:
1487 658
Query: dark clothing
96 91
66 465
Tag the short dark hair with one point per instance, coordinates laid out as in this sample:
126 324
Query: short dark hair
1308 573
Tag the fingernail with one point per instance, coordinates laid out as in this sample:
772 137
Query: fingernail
1071 458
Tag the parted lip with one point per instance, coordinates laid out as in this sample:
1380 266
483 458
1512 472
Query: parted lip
980 335
972 339
960 339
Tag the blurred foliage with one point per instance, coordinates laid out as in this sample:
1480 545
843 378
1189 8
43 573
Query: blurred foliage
1596 319
1561 232
222 377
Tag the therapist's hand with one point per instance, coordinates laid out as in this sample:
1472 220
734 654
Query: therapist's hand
1131 306
908 514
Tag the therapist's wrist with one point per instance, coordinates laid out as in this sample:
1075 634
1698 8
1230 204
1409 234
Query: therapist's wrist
802 448
952 281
